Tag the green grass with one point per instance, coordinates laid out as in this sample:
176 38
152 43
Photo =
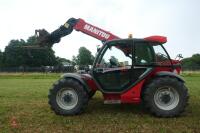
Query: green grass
23 97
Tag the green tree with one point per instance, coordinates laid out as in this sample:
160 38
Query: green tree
192 61
1 58
84 57
17 55
62 61
13 54
74 60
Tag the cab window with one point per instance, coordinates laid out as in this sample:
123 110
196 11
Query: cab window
143 54
161 57
147 53
116 56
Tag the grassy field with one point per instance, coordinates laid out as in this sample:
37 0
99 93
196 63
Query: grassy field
24 108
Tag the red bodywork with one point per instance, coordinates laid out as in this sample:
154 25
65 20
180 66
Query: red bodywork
133 95
160 39
103 35
94 31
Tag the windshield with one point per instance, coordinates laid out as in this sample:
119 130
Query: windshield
161 57
116 55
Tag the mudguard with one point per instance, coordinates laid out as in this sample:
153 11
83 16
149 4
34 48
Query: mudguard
78 78
171 74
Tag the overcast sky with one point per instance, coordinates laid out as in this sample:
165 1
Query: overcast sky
179 20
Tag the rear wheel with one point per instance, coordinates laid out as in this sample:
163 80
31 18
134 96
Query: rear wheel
165 97
68 97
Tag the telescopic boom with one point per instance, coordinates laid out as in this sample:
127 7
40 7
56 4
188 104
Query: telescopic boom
44 38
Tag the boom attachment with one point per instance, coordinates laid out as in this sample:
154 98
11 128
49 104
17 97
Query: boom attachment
45 38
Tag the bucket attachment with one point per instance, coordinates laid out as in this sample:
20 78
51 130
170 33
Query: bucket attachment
43 38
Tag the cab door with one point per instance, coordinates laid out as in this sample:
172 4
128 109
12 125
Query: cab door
143 60
113 68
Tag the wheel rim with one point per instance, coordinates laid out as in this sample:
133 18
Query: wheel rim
67 98
166 98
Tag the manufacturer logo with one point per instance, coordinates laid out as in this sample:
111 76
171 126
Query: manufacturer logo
96 31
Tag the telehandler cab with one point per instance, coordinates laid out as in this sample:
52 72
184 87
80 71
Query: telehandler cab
125 71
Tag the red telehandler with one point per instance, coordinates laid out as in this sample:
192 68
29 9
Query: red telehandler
125 71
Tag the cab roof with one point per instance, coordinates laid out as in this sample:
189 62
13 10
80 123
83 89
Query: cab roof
156 38
159 39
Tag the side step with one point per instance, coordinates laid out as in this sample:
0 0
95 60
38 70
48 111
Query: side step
112 101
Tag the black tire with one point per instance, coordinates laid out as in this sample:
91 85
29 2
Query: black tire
157 106
56 101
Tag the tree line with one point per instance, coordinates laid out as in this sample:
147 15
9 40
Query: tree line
191 62
17 54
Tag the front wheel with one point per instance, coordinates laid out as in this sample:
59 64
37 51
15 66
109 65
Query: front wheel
165 97
68 97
